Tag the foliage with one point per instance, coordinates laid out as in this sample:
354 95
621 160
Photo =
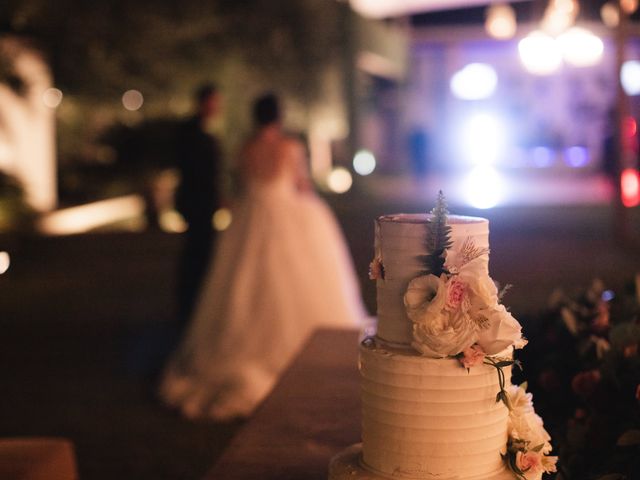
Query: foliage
439 238
103 47
584 363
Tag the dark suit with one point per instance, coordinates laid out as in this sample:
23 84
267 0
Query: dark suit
197 198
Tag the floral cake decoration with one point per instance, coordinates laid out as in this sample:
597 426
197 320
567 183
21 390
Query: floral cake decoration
455 305
456 312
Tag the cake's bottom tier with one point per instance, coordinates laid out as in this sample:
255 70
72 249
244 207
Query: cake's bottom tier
348 465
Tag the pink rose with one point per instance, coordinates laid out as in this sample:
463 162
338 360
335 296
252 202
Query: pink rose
472 356
529 461
456 294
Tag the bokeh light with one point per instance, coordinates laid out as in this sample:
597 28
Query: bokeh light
132 100
559 15
630 186
483 139
610 14
484 187
474 82
629 6
222 219
172 221
580 47
5 262
630 127
576 156
630 77
52 97
340 180
364 162
539 53
542 157
501 21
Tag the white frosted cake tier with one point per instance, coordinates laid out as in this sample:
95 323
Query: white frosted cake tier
347 465
400 244
427 418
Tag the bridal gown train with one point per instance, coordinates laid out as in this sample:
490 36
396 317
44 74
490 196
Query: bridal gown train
280 270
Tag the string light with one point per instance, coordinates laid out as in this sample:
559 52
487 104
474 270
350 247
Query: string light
610 15
501 21
539 53
580 47
629 6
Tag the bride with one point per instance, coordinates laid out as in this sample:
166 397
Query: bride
281 270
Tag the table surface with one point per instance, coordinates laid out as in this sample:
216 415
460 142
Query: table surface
312 414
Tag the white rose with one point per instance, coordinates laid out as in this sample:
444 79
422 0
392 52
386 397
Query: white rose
437 332
420 292
497 327
483 290
502 329
524 423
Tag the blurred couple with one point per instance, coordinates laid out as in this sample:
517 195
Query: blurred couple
279 271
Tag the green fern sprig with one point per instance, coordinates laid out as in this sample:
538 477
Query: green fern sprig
438 238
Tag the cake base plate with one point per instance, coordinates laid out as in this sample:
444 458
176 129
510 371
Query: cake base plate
346 465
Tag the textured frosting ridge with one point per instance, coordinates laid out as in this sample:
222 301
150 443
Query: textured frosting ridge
429 418
400 242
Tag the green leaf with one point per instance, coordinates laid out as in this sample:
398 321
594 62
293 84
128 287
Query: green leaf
629 438
438 238
504 397
537 448
504 363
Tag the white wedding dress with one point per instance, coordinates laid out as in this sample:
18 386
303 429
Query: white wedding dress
281 270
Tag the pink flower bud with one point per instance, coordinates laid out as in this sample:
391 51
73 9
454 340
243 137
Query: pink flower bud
472 356
456 294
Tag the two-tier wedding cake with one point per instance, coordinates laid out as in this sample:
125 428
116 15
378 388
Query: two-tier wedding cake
437 400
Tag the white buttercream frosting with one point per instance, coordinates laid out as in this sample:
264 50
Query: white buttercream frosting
424 415
427 418
400 244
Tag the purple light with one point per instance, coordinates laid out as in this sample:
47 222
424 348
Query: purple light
576 157
542 157
608 295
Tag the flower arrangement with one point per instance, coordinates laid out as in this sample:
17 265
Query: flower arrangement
455 304
585 369
528 447
456 312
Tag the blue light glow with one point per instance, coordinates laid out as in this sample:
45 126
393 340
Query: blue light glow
608 295
576 156
542 157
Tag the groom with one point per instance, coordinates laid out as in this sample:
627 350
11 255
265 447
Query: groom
197 195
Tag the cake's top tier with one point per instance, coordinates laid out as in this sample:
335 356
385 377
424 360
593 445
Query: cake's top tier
400 245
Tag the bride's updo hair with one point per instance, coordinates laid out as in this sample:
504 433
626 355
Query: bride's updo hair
266 110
